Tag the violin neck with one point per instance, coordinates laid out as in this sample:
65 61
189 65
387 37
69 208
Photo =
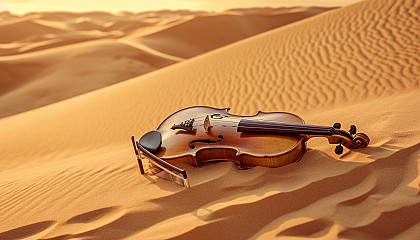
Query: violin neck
283 128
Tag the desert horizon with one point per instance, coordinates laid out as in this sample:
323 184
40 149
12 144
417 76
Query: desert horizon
75 86
26 6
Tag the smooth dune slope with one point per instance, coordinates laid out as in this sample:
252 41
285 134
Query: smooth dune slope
68 170
52 56
205 33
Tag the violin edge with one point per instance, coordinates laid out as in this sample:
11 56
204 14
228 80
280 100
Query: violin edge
227 109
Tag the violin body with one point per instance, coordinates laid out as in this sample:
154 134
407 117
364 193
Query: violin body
244 148
200 134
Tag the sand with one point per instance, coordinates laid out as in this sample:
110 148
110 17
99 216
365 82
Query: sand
51 56
68 170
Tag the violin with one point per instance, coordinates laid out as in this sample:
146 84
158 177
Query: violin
200 134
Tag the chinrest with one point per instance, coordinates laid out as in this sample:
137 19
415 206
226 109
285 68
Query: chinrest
151 141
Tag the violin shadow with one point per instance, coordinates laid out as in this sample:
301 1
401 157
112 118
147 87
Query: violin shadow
162 179
212 170
213 199
312 158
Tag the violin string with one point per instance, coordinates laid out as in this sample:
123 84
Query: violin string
286 130
258 124
233 117
225 120
279 124
267 125
263 124
283 127
286 127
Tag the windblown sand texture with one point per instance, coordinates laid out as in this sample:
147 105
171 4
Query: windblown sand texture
68 170
48 57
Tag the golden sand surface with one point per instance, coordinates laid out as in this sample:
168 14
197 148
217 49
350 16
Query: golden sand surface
68 171
51 56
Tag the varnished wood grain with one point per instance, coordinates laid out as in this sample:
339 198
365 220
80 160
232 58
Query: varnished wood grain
246 149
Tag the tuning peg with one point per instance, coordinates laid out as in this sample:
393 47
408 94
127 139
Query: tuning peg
352 130
337 125
339 149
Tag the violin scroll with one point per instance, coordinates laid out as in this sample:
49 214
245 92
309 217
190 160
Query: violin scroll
361 140
349 139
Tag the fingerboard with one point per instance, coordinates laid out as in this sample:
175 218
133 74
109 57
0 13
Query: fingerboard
283 128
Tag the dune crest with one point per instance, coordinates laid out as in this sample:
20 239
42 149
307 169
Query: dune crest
192 39
68 169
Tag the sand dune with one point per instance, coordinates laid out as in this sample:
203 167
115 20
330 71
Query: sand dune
68 171
209 35
43 77
64 45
